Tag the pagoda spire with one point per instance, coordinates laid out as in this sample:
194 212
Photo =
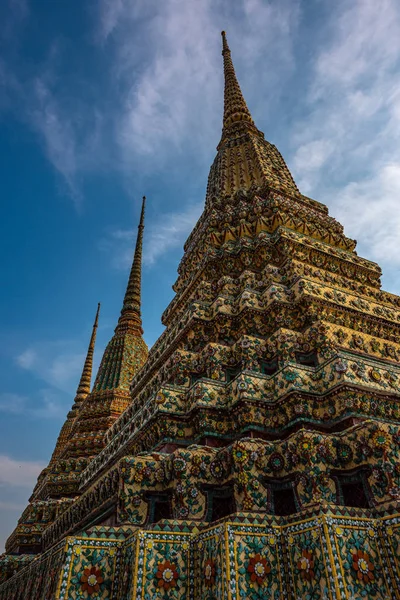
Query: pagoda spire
84 384
245 159
82 392
126 351
235 107
131 308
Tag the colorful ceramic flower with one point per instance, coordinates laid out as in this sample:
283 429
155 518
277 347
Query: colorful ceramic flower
136 500
381 440
305 448
167 575
209 572
375 375
179 464
217 469
276 462
306 565
239 453
290 376
325 449
160 474
363 566
183 512
243 478
91 580
258 569
194 492
344 453
364 449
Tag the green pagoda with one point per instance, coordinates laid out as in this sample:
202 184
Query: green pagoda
254 452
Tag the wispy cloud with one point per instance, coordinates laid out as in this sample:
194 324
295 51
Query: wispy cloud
43 404
163 88
58 363
12 403
12 506
365 34
175 102
19 472
378 221
170 231
15 14
17 478
68 126
57 132
347 152
167 232
161 84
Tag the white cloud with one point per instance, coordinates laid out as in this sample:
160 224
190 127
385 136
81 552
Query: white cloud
171 231
354 90
17 478
11 506
68 125
59 363
58 134
166 101
378 222
19 472
366 33
161 94
19 9
27 359
17 12
12 403
163 71
167 232
110 12
44 404
346 149
70 129
49 405
308 160
175 101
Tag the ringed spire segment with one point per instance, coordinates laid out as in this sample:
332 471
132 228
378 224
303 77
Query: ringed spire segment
86 377
235 107
131 308
245 159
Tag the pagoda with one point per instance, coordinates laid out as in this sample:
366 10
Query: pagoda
254 451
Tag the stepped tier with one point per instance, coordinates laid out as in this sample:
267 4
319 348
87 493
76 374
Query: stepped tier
326 551
92 414
254 452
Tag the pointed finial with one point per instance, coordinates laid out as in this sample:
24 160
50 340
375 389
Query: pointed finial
141 221
131 308
225 47
86 377
235 107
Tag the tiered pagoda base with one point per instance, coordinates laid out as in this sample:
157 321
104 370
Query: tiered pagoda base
254 452
329 552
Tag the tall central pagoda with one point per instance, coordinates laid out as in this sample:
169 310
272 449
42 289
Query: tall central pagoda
255 454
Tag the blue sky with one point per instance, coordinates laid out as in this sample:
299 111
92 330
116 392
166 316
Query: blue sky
104 101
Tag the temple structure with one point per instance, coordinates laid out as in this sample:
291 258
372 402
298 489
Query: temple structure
253 453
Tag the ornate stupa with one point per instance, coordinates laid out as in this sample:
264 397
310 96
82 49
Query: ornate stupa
253 453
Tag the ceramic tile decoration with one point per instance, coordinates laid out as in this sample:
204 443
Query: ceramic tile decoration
253 452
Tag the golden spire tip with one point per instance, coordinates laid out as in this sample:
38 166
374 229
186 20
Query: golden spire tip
225 47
